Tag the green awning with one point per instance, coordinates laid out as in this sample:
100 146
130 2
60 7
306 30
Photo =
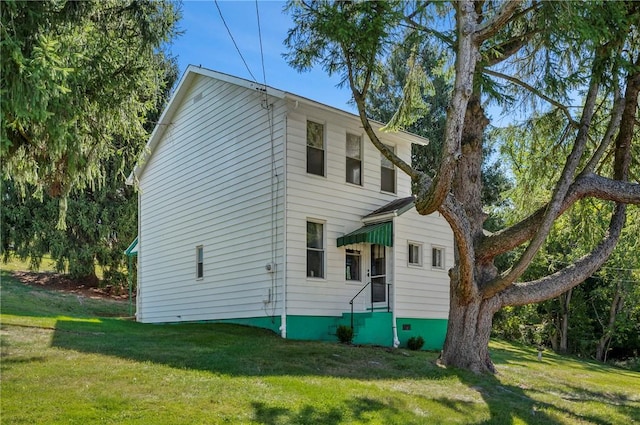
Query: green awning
379 234
132 249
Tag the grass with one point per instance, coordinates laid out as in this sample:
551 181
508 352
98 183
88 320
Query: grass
72 363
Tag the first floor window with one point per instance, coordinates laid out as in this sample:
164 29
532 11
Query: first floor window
415 254
352 265
199 262
315 249
437 258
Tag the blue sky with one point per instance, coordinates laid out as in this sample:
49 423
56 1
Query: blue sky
206 42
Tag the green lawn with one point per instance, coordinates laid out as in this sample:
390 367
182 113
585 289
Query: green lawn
70 361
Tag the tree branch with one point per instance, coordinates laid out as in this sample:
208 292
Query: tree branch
466 59
536 92
612 127
491 27
457 218
569 277
586 185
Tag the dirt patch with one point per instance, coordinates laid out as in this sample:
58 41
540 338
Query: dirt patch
60 282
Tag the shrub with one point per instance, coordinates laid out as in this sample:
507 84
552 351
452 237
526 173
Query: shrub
344 334
415 343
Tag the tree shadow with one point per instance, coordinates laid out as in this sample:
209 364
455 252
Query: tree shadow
240 351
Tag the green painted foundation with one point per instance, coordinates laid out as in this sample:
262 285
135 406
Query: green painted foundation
371 328
432 330
271 323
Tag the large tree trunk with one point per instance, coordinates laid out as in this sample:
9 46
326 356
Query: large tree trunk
470 316
467 343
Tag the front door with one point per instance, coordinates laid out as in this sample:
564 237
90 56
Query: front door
378 274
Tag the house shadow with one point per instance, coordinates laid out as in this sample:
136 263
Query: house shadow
241 351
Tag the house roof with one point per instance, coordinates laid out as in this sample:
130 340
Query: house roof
392 209
187 79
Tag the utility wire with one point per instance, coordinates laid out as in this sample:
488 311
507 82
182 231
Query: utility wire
234 42
264 74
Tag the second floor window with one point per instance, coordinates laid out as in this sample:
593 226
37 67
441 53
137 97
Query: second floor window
354 159
387 174
315 148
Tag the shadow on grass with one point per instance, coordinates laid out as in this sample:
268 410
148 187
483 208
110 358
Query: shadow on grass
235 350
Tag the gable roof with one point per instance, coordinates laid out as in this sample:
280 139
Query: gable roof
185 82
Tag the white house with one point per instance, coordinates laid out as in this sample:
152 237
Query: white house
264 208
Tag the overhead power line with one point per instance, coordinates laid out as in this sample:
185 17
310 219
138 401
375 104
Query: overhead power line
235 44
264 74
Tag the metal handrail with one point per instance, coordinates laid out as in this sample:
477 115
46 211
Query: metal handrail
354 297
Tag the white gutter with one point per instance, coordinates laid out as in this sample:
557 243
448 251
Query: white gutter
380 218
283 315
394 318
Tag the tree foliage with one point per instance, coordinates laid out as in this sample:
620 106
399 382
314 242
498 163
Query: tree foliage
78 81
538 56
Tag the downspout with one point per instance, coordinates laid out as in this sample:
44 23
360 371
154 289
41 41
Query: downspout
394 318
138 316
283 315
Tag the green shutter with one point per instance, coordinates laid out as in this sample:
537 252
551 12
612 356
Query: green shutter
379 234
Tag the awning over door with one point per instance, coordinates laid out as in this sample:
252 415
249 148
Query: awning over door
132 249
379 233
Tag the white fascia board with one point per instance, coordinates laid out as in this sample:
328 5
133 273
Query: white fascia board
237 81
403 135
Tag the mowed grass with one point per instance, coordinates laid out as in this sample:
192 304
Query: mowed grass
70 361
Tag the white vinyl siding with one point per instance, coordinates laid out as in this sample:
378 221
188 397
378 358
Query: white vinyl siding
223 142
421 292
339 204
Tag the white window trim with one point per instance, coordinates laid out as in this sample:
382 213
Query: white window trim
420 246
198 248
444 257
324 249
359 134
395 171
324 146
